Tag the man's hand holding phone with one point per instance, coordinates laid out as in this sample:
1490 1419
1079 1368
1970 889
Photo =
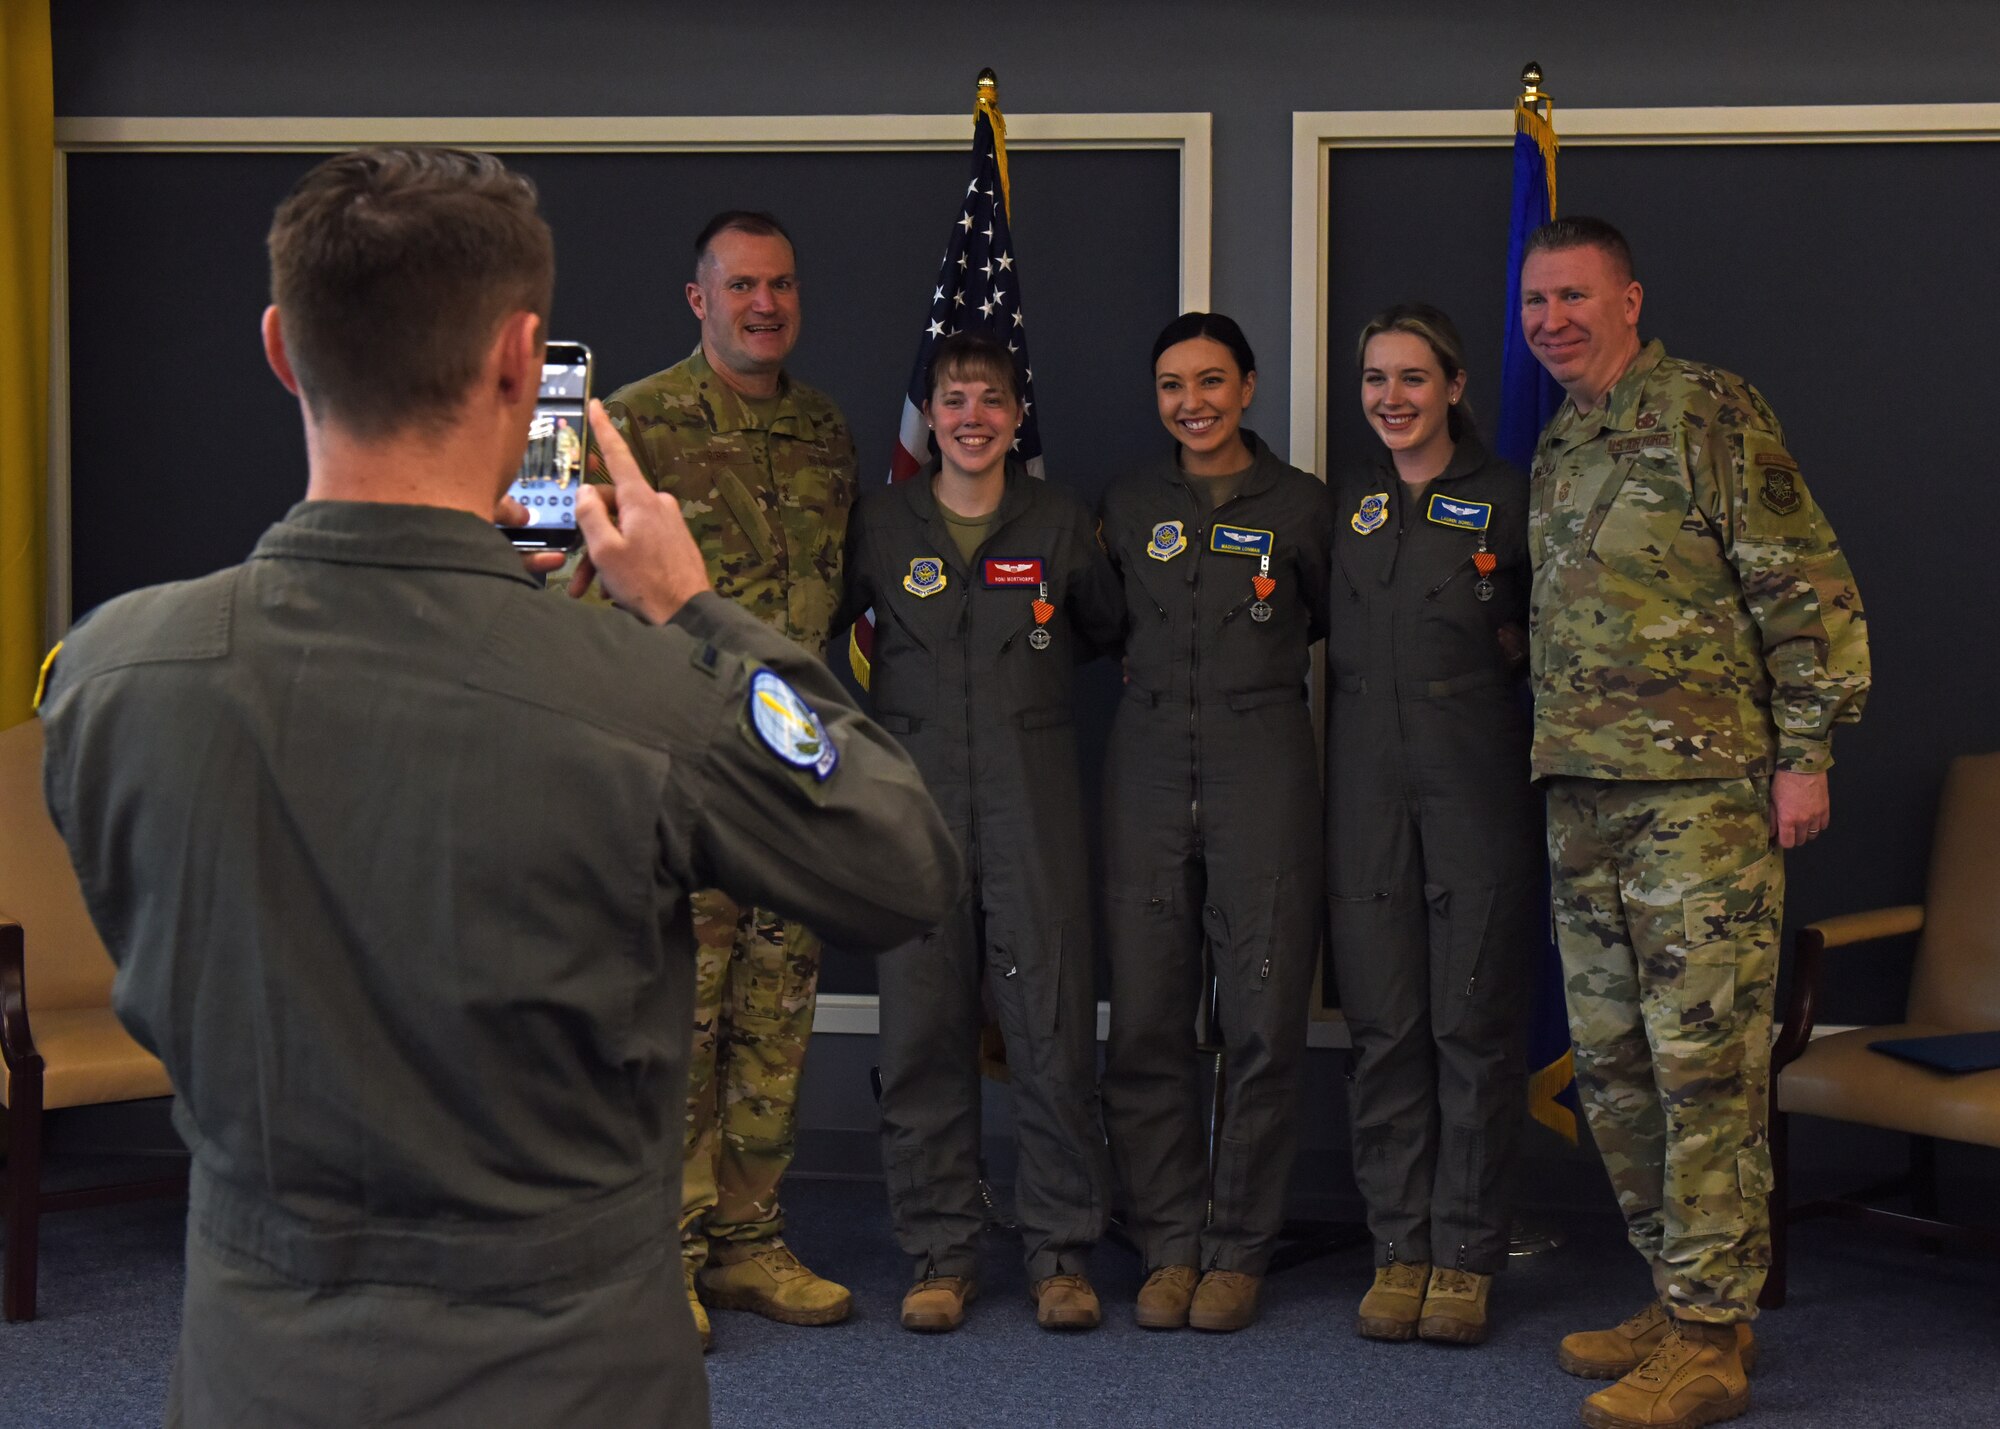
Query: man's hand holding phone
635 539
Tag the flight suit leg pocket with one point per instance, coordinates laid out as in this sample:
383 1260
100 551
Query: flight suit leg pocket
1461 920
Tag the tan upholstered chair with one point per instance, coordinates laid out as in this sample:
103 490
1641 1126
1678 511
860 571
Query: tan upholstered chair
60 1045
1954 987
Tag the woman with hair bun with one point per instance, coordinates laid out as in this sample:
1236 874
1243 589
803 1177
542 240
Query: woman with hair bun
1434 870
1213 868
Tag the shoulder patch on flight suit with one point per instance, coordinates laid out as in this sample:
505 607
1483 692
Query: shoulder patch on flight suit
1169 540
1240 540
42 680
789 727
926 577
1465 515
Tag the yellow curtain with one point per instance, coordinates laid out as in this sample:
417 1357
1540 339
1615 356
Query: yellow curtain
27 160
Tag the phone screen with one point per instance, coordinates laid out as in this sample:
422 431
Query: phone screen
552 467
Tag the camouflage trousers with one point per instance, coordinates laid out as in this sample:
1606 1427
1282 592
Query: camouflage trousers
1668 900
753 1014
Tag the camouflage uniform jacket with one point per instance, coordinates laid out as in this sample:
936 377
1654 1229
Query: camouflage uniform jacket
768 504
1693 615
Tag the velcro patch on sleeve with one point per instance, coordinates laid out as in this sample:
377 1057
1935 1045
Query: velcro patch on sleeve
789 727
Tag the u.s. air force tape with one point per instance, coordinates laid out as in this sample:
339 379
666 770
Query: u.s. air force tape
789 727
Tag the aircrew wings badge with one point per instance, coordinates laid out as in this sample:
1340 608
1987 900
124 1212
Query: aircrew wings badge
788 726
1465 515
926 577
1169 540
1374 510
1240 540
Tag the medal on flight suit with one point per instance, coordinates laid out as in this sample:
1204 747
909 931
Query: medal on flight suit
1044 612
1485 562
1262 585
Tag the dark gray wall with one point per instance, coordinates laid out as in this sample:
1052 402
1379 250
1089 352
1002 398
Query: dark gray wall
1250 65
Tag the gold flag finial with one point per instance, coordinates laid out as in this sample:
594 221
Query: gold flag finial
989 87
1534 98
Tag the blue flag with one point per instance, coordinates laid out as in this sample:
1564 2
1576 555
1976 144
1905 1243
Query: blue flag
1528 398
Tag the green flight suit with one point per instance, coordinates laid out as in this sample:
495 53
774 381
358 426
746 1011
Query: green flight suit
766 488
1695 628
393 853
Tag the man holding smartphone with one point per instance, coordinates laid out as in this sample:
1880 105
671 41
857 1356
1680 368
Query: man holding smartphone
764 470
432 1070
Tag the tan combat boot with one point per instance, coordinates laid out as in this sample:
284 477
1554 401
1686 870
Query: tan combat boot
1065 1302
1394 1303
696 1308
1455 1306
1225 1300
1695 1377
764 1277
1613 1354
1164 1298
937 1303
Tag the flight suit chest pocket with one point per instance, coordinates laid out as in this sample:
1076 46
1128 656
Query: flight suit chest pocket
1641 514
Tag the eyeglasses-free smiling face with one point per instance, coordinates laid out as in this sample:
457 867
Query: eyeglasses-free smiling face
1580 315
1202 396
974 421
1407 398
746 294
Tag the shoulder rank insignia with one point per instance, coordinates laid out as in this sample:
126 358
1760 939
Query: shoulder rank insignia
926 576
1373 512
1781 490
1465 515
788 726
1169 540
1004 572
1240 540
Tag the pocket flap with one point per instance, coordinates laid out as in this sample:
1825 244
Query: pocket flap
1724 907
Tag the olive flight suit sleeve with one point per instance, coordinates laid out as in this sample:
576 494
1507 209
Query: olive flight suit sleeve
1796 584
857 850
1094 596
1315 559
857 593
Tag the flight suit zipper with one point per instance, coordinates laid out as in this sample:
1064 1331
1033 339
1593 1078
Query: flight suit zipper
1194 692
965 681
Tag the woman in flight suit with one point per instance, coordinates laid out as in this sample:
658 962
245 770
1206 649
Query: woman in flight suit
1212 827
988 588
1434 867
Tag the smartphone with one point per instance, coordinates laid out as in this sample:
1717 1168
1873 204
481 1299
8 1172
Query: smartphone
558 444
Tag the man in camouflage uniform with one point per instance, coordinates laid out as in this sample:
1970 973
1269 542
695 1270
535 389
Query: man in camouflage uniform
763 468
1696 636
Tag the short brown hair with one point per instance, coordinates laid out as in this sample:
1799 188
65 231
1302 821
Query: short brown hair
392 268
1583 231
972 353
753 221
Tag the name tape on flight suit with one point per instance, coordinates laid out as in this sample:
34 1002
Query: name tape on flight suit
1465 515
1240 541
789 727
926 577
1000 572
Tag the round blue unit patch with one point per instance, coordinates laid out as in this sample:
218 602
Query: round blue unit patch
788 726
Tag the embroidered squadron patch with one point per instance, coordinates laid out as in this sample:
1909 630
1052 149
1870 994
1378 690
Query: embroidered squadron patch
788 727
1169 540
926 576
1781 490
1373 512
1240 540
1465 515
1005 572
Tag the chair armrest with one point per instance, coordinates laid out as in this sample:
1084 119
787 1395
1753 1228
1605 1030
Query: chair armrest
1846 929
17 1047
1841 931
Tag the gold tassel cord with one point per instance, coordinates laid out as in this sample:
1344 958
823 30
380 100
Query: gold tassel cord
988 104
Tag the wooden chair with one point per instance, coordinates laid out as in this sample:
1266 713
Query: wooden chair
1954 987
71 1052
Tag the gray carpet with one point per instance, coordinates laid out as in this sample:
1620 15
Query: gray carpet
1877 1334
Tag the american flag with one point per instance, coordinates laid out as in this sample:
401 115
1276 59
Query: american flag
978 286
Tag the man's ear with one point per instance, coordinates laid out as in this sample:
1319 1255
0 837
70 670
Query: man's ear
1635 298
517 358
274 349
698 301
